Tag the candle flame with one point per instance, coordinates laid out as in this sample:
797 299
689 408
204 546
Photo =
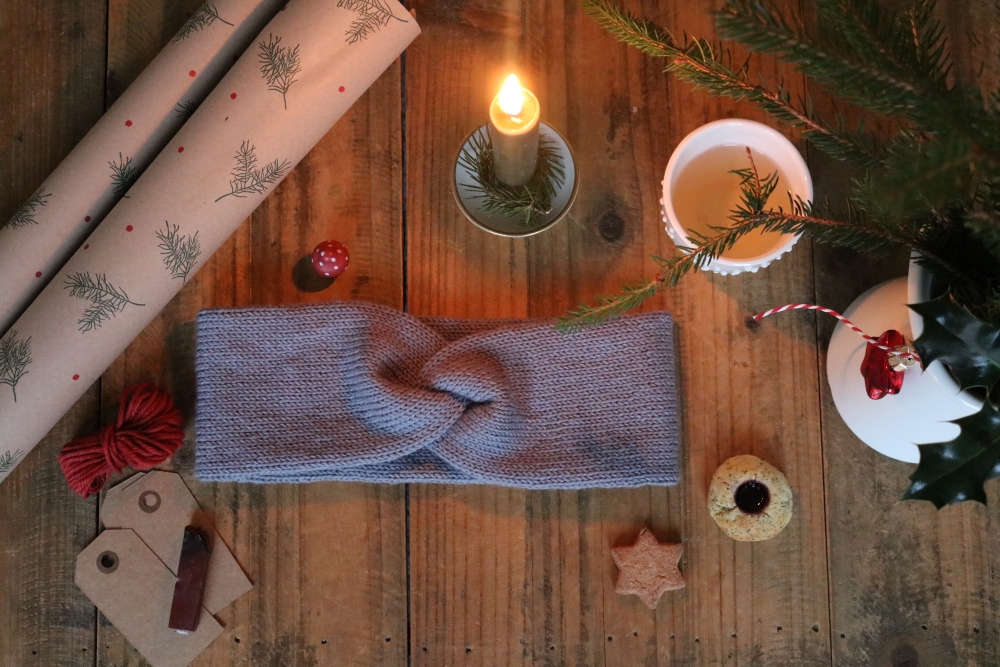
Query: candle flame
512 96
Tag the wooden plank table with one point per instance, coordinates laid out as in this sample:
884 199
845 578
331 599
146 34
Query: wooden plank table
358 574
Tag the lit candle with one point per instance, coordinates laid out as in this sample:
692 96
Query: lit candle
514 132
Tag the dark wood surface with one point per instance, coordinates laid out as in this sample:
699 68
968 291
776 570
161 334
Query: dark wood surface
356 574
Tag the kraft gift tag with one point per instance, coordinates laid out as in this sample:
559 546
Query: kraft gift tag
157 505
133 588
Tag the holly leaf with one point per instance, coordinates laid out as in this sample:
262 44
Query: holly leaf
955 471
952 335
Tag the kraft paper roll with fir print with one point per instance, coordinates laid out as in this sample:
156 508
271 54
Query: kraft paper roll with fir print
301 74
51 225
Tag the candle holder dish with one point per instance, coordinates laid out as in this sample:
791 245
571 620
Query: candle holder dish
502 213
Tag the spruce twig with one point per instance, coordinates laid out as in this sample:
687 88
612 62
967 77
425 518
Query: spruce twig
932 187
248 178
10 459
123 176
25 214
203 17
106 300
697 62
179 252
373 15
279 65
15 356
528 202
752 214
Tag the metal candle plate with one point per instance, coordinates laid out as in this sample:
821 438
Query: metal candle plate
498 224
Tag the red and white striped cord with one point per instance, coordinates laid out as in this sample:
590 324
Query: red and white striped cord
850 325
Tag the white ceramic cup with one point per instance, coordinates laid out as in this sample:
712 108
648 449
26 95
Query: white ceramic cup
760 139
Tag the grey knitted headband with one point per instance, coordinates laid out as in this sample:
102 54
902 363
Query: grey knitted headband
352 391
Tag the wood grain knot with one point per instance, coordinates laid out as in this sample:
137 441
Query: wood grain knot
905 655
611 227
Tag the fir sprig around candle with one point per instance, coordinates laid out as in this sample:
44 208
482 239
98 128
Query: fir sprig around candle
529 202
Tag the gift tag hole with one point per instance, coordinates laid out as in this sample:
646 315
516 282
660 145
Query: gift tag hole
107 562
149 502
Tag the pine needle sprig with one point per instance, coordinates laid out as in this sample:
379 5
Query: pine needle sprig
180 252
106 300
10 459
185 110
753 214
528 202
911 45
763 30
205 16
373 15
891 64
609 307
931 187
123 176
15 356
25 214
279 65
248 178
698 62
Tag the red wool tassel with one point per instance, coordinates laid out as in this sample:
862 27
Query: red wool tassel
148 431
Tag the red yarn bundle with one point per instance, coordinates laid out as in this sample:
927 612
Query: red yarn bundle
148 431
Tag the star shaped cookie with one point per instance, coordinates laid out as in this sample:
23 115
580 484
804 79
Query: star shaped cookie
648 569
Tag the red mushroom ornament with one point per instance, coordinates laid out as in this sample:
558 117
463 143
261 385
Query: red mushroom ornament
330 259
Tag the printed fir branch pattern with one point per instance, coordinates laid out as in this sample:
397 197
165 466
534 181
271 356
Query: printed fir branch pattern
123 176
279 65
185 110
373 15
206 15
25 215
105 299
15 356
250 179
179 252
8 460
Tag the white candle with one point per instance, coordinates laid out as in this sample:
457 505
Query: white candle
514 116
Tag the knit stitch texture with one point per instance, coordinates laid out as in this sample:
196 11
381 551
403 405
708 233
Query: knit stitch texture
360 392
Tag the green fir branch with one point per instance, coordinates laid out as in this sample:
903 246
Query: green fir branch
528 202
185 110
852 230
179 252
106 300
25 214
15 356
698 62
123 176
205 16
248 178
930 187
761 29
609 307
279 65
373 15
8 460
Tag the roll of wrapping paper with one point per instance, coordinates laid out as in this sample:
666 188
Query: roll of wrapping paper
50 226
300 75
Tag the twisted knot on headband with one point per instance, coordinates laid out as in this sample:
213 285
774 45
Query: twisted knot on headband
352 391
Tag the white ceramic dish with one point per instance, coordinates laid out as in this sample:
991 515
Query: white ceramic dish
920 413
760 139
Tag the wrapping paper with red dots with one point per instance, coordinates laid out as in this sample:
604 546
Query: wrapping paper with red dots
53 222
300 74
